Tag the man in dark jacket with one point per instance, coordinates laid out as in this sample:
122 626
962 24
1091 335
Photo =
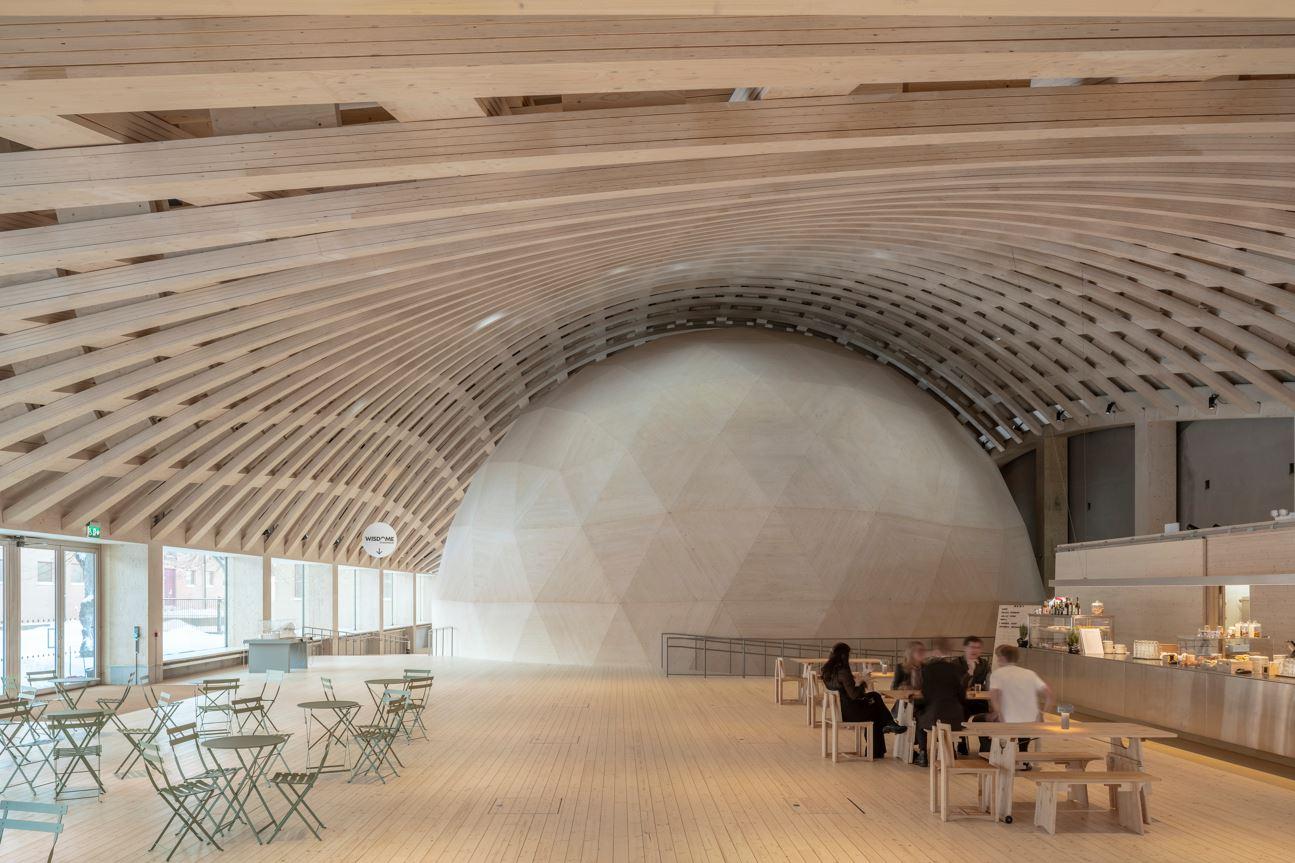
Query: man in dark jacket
943 694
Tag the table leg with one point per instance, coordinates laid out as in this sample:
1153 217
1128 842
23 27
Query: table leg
1002 754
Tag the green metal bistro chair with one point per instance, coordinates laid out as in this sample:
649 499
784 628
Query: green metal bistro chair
76 742
162 709
255 709
417 673
35 678
113 705
215 709
294 786
34 701
189 801
327 683
26 744
374 741
53 825
420 692
207 768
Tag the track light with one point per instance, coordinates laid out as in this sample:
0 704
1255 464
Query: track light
1214 401
1062 415
1110 408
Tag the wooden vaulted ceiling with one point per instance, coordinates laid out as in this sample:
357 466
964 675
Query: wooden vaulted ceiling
267 279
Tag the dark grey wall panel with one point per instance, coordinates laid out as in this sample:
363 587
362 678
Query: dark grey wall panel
1101 484
1022 475
1246 463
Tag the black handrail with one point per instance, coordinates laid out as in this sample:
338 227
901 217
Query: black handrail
681 652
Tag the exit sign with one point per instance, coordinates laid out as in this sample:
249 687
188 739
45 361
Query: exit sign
93 530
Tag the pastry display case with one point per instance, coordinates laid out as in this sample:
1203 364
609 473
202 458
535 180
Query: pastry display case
1052 630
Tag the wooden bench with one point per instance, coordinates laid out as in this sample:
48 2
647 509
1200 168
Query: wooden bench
1125 789
832 720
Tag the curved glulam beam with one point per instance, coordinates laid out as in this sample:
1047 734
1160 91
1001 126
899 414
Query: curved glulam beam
348 362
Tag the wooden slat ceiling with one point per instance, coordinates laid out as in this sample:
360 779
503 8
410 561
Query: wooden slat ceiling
246 309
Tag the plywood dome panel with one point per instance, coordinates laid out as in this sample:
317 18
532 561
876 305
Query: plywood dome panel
734 483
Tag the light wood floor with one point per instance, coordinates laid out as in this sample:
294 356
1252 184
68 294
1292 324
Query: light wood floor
546 763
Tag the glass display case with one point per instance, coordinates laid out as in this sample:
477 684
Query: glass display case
1051 630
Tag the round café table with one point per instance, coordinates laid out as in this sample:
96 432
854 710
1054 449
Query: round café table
241 784
338 731
378 685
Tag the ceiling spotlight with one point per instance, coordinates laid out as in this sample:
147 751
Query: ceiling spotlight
1214 401
1110 407
1062 415
492 318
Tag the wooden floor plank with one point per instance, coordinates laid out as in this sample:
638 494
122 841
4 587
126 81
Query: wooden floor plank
615 764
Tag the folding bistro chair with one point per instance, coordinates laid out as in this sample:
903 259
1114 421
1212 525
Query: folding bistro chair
208 769
188 801
327 683
215 708
52 825
374 741
162 709
34 678
419 691
76 741
25 742
417 673
113 705
254 710
294 787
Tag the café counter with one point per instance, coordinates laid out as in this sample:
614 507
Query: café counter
1246 714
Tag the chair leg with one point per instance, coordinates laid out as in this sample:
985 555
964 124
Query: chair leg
933 779
944 793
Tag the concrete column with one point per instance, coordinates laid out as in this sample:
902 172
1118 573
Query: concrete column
382 622
123 605
1155 475
1053 498
267 609
154 628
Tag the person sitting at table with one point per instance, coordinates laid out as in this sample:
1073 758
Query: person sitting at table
857 704
943 695
974 666
908 674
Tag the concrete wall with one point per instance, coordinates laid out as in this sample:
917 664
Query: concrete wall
124 604
1273 605
1246 463
1101 484
1021 475
1162 613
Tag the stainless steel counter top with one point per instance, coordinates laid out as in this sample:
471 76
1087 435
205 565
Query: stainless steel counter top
1255 715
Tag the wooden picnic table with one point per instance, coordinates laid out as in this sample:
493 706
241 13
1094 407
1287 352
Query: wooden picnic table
1124 740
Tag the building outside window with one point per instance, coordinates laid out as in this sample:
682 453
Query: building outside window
195 610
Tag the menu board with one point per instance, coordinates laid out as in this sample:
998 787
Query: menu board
1010 619
1090 640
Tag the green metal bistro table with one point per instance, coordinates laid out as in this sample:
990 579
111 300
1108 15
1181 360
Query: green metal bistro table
72 689
378 685
254 753
80 729
339 730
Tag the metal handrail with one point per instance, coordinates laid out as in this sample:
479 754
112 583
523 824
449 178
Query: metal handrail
343 643
690 655
440 641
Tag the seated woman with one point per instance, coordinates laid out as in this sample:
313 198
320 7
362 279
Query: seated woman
857 704
908 674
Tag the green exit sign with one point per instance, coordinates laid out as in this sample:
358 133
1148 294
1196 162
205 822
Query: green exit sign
93 530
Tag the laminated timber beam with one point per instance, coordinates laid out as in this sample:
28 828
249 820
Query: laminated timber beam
1063 8
380 153
437 67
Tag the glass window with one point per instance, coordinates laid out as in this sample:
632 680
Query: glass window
195 608
357 599
80 614
400 610
426 592
39 612
302 593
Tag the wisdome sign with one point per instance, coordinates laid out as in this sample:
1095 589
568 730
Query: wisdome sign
379 539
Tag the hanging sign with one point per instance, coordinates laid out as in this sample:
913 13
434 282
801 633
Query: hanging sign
379 539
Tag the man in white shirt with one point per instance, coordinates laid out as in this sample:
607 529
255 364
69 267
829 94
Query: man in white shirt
1014 692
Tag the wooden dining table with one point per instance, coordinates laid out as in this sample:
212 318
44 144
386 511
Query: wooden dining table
1124 740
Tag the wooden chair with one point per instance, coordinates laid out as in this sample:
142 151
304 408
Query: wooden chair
944 764
813 699
780 679
904 743
833 725
1125 787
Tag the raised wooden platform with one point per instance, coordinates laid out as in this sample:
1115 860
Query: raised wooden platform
546 763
